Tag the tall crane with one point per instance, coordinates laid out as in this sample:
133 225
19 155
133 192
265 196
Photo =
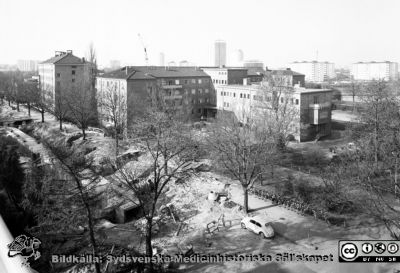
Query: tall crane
145 50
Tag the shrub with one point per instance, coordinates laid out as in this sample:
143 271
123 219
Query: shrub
304 191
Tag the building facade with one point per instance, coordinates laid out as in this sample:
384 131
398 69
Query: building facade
312 107
220 53
186 88
367 71
63 71
315 71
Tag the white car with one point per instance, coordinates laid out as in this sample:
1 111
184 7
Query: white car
258 225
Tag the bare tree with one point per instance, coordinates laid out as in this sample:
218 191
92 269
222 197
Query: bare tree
169 149
241 150
92 59
81 187
113 105
79 101
60 108
355 91
276 105
378 98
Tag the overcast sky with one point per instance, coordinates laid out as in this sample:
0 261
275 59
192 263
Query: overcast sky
276 32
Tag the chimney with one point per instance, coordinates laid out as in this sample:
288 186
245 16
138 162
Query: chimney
288 69
245 81
126 70
83 60
69 51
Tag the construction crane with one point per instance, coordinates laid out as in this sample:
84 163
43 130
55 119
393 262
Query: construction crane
145 50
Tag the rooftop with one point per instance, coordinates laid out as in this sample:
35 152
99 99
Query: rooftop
371 62
64 58
297 62
285 72
154 72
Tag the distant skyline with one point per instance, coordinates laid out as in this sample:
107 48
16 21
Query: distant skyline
275 32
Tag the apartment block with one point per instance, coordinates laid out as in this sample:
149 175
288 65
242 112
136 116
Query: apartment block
315 71
186 88
62 71
27 65
367 71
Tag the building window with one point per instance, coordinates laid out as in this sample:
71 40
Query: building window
199 80
291 101
186 92
177 93
297 102
281 100
222 93
186 81
73 72
315 99
200 91
207 100
199 111
200 100
73 80
176 82
74 66
234 95
206 90
193 80
254 97
240 95
170 82
193 91
58 75
248 96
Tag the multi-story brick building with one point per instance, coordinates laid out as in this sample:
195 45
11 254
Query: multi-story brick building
62 71
312 107
186 88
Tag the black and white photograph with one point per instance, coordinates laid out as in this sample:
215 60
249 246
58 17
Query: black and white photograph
169 136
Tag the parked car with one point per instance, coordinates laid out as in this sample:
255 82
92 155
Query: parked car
258 225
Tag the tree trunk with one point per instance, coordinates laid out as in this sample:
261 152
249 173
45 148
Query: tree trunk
246 200
60 124
272 170
29 109
149 248
9 103
84 133
116 141
17 106
42 112
92 238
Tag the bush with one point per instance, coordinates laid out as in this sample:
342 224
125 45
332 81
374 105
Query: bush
304 191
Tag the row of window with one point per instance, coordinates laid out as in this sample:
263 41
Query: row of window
58 75
193 91
226 104
219 81
186 81
259 98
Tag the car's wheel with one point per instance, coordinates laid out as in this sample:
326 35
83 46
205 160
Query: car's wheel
262 236
243 225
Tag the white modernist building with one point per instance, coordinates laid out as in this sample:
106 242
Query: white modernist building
315 71
312 107
367 71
